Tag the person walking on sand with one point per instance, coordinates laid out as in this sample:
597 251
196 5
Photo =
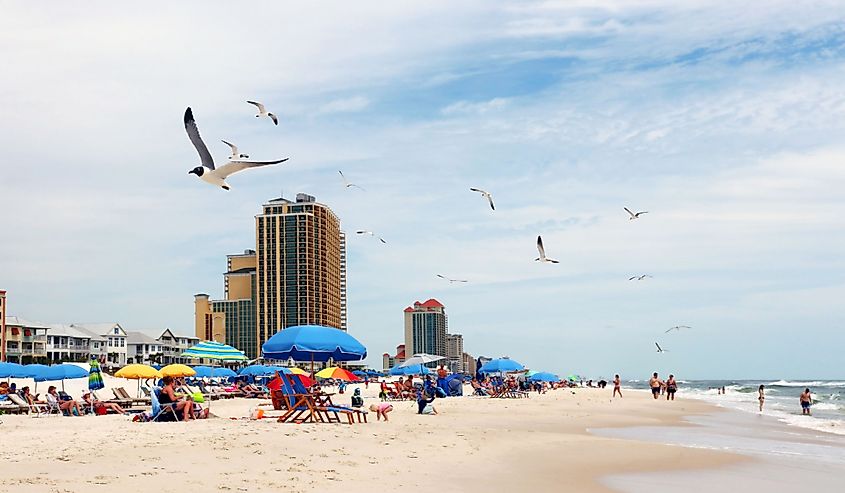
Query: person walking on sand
656 385
806 402
761 397
617 386
671 387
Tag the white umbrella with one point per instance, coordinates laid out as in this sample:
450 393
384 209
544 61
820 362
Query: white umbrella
421 359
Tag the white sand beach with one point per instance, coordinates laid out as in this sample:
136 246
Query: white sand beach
540 443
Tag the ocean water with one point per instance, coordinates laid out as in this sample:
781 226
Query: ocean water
828 410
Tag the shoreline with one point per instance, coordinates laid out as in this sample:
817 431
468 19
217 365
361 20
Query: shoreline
543 443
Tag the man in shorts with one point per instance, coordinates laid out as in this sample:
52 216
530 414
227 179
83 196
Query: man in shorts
656 385
806 402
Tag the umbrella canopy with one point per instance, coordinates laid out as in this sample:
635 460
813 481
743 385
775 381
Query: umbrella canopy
33 370
137 372
213 372
61 372
296 371
259 371
337 373
177 370
409 370
421 359
573 378
501 365
360 373
13 370
95 377
544 377
315 343
214 351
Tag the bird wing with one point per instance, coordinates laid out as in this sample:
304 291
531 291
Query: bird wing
658 346
382 240
632 278
629 212
490 199
345 182
642 212
194 135
363 232
670 329
273 117
477 190
553 261
443 277
261 108
233 146
233 167
540 247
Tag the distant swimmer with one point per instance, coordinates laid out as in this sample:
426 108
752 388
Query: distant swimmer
761 396
655 384
617 386
806 401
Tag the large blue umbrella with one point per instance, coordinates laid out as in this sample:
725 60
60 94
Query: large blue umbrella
544 377
12 370
409 370
61 372
33 370
261 371
213 372
501 365
314 343
360 373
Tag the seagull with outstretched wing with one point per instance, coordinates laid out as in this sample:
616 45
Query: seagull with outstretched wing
365 232
485 194
207 172
451 281
347 183
678 328
542 257
262 111
634 215
235 154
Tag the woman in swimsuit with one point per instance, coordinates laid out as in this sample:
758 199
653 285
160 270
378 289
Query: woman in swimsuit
617 386
761 397
671 387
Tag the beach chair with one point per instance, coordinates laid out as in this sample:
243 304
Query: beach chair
162 412
325 401
18 404
302 406
125 395
124 402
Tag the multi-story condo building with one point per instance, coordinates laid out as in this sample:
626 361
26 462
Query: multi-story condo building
295 276
426 326
25 341
232 319
389 361
66 343
455 352
164 350
108 341
469 365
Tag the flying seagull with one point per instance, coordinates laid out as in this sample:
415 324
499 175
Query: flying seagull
451 280
262 111
347 184
207 172
488 195
542 257
235 153
639 278
678 328
634 216
660 349
365 232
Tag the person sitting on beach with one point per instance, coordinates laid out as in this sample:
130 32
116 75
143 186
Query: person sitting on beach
806 401
671 387
90 400
477 388
409 383
168 396
70 406
656 385
381 410
424 398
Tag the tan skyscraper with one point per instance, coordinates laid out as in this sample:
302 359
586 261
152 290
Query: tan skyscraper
425 328
301 266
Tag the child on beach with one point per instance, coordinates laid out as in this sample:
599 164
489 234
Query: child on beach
381 410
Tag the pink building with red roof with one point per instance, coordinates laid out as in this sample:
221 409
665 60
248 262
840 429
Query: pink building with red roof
426 325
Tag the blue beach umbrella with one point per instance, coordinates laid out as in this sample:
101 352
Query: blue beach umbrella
314 343
12 370
501 365
544 377
33 370
409 370
360 373
213 372
259 371
61 372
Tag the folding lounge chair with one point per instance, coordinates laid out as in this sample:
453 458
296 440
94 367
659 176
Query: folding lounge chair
125 396
34 410
303 407
17 404
162 412
326 402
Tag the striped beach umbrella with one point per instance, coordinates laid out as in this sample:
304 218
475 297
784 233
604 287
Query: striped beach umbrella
95 380
214 351
337 374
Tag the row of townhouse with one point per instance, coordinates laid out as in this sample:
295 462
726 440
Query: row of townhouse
33 342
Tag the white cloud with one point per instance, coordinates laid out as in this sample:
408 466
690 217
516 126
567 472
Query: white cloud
345 105
477 108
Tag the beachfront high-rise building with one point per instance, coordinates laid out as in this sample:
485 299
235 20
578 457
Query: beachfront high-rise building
232 319
468 364
455 352
388 361
295 276
426 326
2 325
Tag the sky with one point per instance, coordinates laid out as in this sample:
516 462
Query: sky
723 120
